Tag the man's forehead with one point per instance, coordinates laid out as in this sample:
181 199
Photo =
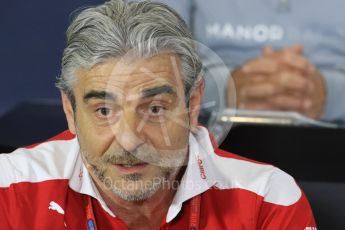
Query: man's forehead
138 74
163 63
139 78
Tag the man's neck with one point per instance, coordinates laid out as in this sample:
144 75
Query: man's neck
146 214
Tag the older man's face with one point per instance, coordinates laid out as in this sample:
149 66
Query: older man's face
132 123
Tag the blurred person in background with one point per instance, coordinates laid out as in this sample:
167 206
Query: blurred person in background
283 55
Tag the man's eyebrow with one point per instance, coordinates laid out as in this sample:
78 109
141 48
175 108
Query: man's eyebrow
158 90
94 94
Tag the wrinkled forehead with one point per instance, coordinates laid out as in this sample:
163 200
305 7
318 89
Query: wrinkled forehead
128 76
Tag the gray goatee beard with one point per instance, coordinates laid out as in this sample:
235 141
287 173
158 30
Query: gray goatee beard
131 187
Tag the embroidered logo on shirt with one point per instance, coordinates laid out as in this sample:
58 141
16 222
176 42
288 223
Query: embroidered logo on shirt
201 167
54 206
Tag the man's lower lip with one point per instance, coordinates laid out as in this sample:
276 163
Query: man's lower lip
130 169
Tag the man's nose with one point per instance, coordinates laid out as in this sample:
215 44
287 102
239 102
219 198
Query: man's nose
126 132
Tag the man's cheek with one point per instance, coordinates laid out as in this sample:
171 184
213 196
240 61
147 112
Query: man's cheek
178 134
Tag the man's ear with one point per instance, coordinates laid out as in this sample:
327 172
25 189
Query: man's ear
195 103
69 112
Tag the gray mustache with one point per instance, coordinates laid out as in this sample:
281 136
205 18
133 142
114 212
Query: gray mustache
128 158
141 155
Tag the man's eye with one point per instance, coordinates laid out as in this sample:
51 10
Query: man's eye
104 112
156 110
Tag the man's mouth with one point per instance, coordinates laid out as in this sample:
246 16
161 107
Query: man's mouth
130 168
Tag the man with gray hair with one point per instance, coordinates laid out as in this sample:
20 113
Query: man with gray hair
134 156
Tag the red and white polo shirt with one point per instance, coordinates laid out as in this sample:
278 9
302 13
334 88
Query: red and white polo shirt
47 186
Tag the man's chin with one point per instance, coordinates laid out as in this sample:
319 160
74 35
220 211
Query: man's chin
136 189
140 185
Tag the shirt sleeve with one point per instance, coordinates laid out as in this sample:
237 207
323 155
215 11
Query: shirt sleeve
296 216
8 198
285 206
334 110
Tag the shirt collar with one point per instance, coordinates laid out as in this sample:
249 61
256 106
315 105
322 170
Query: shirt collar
82 182
197 178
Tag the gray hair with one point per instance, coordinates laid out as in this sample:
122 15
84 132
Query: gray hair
117 27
